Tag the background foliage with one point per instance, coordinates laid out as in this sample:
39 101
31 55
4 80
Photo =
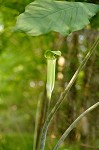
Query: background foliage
23 76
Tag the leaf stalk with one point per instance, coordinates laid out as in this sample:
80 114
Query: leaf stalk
73 125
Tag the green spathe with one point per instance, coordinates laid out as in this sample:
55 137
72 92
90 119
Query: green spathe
51 64
43 16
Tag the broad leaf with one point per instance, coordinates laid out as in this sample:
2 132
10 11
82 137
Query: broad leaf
65 17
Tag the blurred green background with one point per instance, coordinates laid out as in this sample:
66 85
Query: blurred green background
23 77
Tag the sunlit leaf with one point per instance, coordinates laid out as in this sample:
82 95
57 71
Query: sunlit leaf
65 17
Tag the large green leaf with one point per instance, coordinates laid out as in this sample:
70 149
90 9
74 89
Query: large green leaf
65 17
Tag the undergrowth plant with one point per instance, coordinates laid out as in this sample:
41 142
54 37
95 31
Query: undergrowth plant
43 16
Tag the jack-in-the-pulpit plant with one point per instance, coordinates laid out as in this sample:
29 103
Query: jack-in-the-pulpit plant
51 65
43 16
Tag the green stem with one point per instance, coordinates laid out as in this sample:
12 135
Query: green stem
36 123
73 125
63 95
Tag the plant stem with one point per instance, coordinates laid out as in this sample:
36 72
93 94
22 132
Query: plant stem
36 123
73 125
63 95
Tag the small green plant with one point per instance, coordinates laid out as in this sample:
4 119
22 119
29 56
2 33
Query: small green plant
43 16
51 64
